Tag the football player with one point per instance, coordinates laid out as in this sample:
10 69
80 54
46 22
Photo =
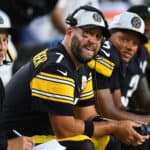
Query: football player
52 96
127 34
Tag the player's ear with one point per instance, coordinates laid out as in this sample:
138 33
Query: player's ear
69 31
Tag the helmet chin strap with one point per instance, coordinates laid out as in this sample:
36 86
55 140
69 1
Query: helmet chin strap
7 62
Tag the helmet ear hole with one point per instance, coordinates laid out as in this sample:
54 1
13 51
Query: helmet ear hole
74 22
70 20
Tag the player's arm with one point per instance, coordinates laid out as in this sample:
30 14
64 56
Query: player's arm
128 115
110 106
142 95
68 126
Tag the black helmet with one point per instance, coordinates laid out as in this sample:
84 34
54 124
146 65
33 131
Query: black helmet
142 10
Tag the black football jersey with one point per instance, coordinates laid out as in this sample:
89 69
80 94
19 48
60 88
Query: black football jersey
2 133
147 45
124 76
110 59
135 70
49 83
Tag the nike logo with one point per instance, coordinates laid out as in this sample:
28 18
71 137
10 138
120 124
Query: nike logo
106 53
98 57
62 72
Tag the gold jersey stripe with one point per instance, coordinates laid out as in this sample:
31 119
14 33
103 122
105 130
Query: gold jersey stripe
108 62
147 45
100 143
52 98
38 139
86 96
102 66
75 138
55 80
52 88
57 77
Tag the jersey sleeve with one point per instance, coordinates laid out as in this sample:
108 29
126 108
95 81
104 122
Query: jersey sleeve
53 92
100 81
57 87
102 66
52 89
115 80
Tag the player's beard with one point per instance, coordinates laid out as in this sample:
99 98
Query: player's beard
77 51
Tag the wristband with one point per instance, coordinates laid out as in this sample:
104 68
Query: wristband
89 128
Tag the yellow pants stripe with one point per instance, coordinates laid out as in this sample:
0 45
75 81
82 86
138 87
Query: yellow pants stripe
100 143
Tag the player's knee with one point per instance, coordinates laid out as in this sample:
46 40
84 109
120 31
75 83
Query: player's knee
88 145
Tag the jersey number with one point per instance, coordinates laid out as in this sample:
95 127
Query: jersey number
60 57
40 58
133 86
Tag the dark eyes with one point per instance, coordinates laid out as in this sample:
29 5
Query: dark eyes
88 34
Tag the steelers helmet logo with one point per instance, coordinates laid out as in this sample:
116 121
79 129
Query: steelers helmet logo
136 22
97 17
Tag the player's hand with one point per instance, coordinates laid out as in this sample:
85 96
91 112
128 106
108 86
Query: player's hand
126 133
20 143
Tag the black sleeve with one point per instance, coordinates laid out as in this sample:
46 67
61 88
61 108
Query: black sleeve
100 81
115 80
3 141
2 94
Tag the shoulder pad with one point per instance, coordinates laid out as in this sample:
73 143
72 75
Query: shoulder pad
102 66
109 52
